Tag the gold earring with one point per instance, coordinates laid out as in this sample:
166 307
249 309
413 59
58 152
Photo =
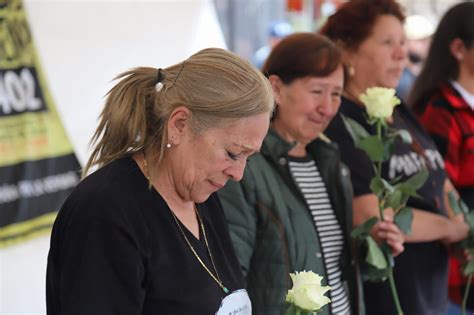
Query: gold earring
351 70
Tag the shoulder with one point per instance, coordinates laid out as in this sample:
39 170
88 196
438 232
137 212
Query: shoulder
106 194
337 130
445 100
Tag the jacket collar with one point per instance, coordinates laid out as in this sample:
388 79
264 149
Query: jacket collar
275 148
454 97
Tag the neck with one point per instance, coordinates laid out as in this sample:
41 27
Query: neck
299 149
466 80
161 178
353 91
280 129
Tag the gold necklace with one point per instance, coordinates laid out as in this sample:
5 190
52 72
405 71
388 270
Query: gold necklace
216 277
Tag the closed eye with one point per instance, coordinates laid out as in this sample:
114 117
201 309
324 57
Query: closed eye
233 156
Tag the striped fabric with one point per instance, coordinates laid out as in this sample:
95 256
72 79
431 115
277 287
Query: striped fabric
310 183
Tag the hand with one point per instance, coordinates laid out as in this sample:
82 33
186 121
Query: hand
388 232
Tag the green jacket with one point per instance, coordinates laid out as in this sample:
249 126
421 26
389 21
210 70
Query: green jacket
273 231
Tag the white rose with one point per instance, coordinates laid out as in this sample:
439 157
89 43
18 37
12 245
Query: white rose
379 102
307 292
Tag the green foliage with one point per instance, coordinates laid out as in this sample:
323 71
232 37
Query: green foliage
373 147
379 103
457 204
403 219
295 310
402 134
375 256
356 131
362 231
459 207
469 267
391 194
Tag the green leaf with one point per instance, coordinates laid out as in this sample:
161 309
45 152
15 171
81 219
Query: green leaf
374 147
362 231
356 131
375 256
389 143
418 180
468 268
404 219
291 310
404 135
463 206
380 185
375 275
470 221
387 251
453 202
395 199
409 188
406 189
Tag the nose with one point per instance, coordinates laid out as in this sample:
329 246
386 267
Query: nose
236 170
400 52
325 107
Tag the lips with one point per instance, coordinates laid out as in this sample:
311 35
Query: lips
316 121
396 71
216 185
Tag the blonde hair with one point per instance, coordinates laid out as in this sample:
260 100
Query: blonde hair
214 84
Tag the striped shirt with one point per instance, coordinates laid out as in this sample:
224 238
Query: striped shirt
309 181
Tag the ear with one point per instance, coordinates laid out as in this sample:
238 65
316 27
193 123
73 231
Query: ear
348 58
178 124
457 49
277 85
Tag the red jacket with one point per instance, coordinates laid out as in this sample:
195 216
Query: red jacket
450 122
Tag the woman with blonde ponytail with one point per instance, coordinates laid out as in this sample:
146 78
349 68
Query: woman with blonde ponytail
144 232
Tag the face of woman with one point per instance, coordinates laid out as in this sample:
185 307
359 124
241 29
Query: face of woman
307 105
466 63
203 163
380 59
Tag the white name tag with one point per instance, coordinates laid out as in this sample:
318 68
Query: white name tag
236 303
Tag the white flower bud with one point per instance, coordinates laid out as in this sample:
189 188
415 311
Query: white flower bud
379 102
307 292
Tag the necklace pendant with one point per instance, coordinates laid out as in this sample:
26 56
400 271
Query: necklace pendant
225 290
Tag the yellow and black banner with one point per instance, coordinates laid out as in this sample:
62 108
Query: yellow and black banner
38 168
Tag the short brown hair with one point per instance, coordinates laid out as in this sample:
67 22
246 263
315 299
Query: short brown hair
301 55
354 20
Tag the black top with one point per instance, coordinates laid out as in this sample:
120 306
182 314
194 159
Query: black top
421 270
116 249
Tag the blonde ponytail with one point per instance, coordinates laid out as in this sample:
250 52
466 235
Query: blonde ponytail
214 84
